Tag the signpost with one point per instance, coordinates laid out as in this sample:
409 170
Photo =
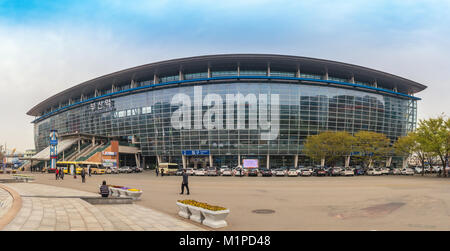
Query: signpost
53 149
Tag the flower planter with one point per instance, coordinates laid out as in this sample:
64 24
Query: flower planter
215 219
133 194
184 210
114 191
196 214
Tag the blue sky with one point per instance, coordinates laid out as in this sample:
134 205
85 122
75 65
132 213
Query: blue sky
48 46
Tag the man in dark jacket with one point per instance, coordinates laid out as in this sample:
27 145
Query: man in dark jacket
184 183
104 190
83 175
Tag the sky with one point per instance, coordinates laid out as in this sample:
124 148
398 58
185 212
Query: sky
49 46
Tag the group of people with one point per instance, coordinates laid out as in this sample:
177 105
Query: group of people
59 173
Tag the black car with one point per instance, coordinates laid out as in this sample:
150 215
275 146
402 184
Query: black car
252 172
320 172
265 172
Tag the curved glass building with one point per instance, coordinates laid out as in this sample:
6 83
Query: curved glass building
226 108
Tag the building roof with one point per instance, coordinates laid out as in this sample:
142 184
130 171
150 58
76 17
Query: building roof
229 62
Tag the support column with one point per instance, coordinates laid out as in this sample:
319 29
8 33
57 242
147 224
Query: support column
63 155
298 72
322 162
325 77
268 69
79 145
268 161
209 71
347 161
183 157
388 161
296 161
239 159
158 159
210 160
93 140
180 75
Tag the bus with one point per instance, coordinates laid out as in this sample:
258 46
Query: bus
169 168
77 166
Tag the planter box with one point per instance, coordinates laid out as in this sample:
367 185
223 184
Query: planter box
114 192
196 214
133 194
215 219
184 210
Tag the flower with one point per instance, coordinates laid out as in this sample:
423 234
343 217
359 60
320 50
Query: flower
202 205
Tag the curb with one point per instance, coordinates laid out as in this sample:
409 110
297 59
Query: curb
15 207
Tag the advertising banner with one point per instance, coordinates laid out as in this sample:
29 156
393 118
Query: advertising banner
250 163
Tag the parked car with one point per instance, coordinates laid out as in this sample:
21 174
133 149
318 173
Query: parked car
280 172
221 169
373 171
200 172
226 172
212 172
384 170
112 169
347 172
252 172
179 172
292 172
306 172
190 171
396 171
124 169
320 172
239 172
336 171
407 171
265 172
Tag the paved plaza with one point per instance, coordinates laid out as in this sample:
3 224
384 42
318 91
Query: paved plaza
49 208
286 203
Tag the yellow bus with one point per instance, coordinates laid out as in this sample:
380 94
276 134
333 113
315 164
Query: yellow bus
77 166
168 168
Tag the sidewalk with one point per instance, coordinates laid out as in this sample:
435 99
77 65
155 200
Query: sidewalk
71 214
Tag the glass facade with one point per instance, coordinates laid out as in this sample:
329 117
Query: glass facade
303 110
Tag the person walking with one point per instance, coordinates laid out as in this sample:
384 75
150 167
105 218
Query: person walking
156 170
89 170
57 173
162 172
104 190
83 175
184 183
61 174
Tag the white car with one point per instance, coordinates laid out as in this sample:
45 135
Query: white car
373 171
292 173
238 172
336 171
190 171
222 168
407 171
396 171
226 172
280 172
347 172
200 172
306 172
384 171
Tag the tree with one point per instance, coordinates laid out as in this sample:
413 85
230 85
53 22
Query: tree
434 133
328 146
370 146
411 144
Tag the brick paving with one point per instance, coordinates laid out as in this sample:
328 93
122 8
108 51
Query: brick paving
5 202
62 213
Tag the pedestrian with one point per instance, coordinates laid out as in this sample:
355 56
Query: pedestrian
184 183
104 190
83 175
89 170
61 174
57 173
240 172
162 172
156 170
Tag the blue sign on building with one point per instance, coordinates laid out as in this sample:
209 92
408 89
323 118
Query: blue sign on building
195 152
